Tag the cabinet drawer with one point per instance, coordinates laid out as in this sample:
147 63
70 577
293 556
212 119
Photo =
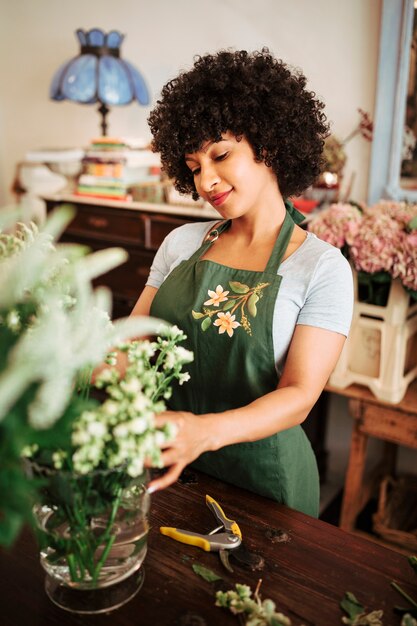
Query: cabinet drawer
115 225
128 280
160 227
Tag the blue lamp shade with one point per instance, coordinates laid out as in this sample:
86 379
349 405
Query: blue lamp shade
98 74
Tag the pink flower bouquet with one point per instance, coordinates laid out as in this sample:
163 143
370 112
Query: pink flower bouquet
380 241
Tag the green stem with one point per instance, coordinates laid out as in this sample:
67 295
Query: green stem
103 558
85 556
106 537
72 568
404 594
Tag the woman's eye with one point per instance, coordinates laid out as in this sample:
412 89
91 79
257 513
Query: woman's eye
196 171
221 157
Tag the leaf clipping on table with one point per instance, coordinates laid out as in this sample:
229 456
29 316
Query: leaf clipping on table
206 573
356 612
413 562
351 605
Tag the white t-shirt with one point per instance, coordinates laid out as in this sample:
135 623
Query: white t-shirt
316 287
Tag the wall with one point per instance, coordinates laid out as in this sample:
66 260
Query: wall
335 43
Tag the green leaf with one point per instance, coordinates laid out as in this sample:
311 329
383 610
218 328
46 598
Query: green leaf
238 287
229 305
351 605
412 224
205 323
413 562
253 299
197 315
206 573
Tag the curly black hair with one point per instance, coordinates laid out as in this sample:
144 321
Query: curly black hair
249 94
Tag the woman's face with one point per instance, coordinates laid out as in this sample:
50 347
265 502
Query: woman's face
227 176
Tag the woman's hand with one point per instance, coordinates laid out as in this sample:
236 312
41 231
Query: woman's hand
192 439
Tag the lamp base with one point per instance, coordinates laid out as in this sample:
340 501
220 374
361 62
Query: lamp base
104 110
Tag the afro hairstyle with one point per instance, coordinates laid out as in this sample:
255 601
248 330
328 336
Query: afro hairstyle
249 94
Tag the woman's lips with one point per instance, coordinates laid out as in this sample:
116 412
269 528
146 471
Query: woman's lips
219 198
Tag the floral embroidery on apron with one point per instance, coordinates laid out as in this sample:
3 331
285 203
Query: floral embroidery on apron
240 300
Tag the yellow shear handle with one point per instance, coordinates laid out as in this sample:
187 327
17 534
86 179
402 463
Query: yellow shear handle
234 527
190 539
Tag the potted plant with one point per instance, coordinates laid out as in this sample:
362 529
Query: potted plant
381 244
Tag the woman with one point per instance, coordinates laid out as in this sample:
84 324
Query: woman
266 306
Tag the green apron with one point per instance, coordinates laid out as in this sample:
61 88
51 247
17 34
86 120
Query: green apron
227 315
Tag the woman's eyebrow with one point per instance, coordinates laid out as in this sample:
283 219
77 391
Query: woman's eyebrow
204 149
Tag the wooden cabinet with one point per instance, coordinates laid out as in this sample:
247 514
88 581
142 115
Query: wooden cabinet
137 227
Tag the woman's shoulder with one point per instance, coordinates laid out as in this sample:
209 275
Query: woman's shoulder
190 234
315 250
316 263
184 240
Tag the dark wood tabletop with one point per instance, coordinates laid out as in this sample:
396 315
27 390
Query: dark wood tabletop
306 567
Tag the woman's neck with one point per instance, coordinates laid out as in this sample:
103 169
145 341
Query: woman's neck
263 222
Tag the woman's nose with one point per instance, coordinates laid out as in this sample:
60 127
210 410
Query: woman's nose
209 177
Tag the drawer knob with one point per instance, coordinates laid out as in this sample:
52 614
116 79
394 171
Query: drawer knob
98 222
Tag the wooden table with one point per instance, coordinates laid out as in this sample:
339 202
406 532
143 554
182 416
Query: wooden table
395 424
306 576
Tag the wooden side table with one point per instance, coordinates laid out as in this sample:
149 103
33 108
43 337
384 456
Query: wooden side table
395 424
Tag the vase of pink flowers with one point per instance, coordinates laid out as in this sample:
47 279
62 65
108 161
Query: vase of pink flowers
380 241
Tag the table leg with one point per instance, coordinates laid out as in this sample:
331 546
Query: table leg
352 497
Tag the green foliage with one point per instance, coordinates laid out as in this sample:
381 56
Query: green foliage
356 612
411 611
206 573
255 612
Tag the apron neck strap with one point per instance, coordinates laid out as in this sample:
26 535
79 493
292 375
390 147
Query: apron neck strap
281 244
210 239
296 215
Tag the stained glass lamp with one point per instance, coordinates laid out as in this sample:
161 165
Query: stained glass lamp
99 75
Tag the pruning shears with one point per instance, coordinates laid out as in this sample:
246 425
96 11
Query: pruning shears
214 541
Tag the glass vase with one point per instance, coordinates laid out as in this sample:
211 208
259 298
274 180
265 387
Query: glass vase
92 532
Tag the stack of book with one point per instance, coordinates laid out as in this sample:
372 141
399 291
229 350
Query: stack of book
111 167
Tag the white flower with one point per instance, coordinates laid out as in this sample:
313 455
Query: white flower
174 332
135 467
97 429
121 430
58 458
105 376
131 386
80 438
160 438
13 320
140 403
110 408
183 355
138 425
183 378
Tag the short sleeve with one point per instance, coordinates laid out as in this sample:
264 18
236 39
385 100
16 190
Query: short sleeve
177 246
329 298
160 265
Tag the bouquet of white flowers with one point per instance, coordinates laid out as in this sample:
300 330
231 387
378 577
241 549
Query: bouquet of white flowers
54 329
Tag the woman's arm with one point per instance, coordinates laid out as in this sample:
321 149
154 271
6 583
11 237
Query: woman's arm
312 357
143 304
